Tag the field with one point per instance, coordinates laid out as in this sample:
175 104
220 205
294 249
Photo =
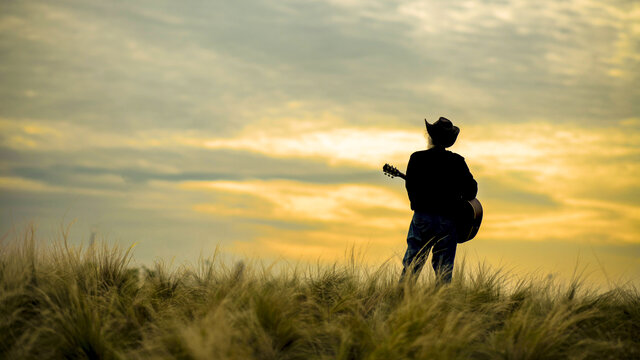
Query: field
71 302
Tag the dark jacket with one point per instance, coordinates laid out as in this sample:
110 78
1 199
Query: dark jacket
437 180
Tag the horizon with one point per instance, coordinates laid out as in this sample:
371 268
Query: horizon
262 128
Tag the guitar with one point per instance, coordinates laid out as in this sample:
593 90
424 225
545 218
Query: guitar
469 218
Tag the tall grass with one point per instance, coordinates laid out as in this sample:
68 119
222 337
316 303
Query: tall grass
74 302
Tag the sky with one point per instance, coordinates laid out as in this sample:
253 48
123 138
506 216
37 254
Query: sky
260 127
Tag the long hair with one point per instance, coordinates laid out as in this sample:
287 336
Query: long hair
430 143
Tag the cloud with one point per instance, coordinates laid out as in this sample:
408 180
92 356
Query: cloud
345 204
20 184
335 146
529 174
217 66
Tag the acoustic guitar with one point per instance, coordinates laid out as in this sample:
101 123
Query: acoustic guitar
470 215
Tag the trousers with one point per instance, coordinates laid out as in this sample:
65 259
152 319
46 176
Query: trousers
435 233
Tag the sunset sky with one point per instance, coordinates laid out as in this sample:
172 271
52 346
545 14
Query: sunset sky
262 126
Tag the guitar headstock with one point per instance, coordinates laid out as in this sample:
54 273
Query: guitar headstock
391 171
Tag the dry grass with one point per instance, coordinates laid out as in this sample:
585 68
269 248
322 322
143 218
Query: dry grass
64 302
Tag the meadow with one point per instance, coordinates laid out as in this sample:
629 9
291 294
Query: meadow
62 301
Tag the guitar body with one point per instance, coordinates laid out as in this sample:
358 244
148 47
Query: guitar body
469 218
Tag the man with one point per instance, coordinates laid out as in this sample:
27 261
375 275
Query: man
437 181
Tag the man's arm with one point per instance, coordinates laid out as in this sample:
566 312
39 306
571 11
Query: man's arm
468 184
409 182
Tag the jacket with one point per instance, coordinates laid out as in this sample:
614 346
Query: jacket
437 180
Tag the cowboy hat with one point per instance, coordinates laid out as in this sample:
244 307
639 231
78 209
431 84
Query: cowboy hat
442 132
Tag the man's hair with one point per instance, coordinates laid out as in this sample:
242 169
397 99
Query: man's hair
430 143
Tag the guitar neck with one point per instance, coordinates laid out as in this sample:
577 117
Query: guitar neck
392 171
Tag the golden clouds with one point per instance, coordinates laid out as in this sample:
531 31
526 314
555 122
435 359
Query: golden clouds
550 181
309 220
356 205
538 181
361 146
562 156
590 175
21 134
20 184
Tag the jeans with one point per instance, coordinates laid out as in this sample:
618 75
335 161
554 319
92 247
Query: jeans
429 231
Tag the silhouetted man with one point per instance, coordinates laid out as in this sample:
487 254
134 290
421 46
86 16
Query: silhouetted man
437 181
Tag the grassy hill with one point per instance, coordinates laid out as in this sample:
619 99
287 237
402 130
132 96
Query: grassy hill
64 302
